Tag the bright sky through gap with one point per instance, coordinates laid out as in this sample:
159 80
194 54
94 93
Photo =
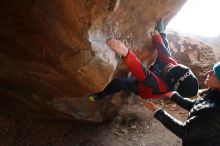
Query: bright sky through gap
198 17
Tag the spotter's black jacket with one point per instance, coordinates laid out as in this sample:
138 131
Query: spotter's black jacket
202 127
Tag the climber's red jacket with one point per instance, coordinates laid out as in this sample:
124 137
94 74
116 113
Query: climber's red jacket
151 82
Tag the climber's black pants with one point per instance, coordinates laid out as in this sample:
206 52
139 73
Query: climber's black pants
118 84
165 41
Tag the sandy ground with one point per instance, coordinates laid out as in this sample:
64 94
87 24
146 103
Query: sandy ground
134 126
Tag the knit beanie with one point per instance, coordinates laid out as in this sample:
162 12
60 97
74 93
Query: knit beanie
181 79
216 70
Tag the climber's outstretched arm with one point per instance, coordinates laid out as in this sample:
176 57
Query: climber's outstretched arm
130 59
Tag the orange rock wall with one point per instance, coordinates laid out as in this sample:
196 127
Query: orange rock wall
53 53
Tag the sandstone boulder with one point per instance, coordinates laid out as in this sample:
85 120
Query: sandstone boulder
193 53
53 53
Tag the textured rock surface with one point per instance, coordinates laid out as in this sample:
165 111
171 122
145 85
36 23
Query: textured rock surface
53 53
194 53
214 42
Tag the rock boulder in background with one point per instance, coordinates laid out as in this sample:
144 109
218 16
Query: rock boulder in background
193 53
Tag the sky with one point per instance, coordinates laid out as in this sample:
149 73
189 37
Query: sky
198 17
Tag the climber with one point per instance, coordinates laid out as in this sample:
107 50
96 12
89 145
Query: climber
150 82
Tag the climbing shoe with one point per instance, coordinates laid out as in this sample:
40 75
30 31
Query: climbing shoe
160 27
93 97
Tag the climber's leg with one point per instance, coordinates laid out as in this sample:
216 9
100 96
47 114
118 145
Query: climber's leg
116 85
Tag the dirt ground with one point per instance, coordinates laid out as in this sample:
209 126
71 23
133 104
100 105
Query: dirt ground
134 126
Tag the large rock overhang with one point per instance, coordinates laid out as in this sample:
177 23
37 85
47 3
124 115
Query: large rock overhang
53 53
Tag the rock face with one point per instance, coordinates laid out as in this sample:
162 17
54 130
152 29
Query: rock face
214 42
193 53
53 53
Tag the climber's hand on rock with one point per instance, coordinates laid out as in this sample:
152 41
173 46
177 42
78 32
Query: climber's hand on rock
153 33
118 47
